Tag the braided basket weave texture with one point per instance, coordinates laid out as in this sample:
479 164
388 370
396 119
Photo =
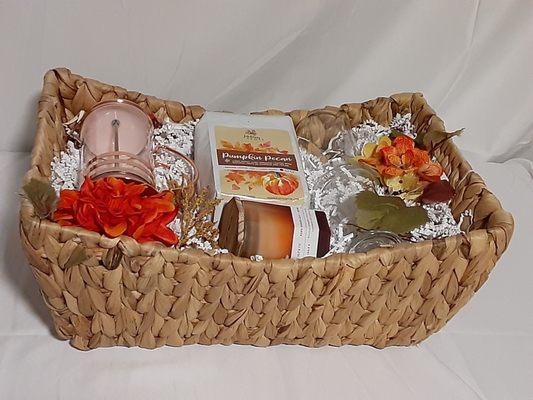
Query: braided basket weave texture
153 296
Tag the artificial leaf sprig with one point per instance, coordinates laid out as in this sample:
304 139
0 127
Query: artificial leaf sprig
42 196
387 213
431 139
437 192
197 215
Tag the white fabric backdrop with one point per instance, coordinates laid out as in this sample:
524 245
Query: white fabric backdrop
473 61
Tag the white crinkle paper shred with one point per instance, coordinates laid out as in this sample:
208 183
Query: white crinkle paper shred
441 223
402 123
177 136
65 169
175 171
314 170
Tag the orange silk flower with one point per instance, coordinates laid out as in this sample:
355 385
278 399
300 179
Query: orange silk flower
400 157
114 207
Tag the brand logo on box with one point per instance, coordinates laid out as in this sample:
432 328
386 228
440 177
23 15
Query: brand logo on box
251 134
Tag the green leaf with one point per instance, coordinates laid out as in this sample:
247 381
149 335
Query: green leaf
395 133
368 219
404 221
388 213
370 201
42 196
431 139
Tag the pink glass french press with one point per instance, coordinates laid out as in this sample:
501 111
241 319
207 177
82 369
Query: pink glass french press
116 138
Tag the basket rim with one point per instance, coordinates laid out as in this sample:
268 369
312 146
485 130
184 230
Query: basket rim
503 227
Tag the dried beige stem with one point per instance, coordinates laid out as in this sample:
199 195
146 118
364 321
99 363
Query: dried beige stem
197 211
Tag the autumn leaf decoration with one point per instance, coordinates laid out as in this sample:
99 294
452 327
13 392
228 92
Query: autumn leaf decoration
387 213
42 196
437 192
240 178
264 147
432 139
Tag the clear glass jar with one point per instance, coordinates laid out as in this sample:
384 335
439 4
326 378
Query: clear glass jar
367 240
116 138
335 191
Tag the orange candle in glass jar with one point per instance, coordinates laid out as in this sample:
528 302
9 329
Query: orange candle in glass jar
249 228
269 230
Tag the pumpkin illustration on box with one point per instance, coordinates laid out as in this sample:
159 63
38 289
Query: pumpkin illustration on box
280 183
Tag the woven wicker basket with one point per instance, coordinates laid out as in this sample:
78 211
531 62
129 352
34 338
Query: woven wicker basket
159 296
